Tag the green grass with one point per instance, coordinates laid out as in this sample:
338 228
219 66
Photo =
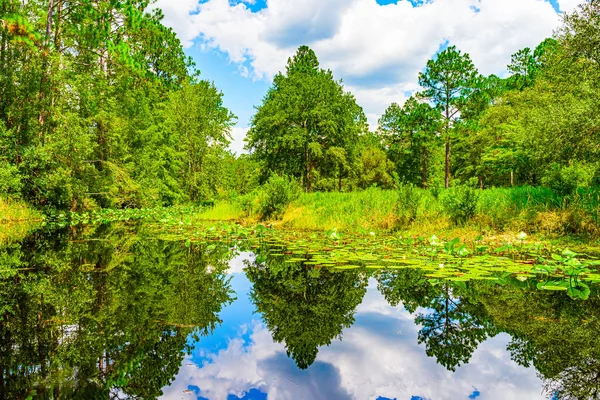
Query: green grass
17 211
16 220
499 211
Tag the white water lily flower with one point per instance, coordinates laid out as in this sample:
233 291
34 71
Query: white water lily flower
522 278
522 236
372 233
434 240
441 265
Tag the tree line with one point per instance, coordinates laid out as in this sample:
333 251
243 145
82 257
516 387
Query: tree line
537 126
100 107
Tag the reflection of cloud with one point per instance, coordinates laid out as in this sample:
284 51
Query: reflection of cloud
236 265
377 357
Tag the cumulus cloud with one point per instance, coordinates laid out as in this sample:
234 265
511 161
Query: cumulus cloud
568 5
377 50
237 139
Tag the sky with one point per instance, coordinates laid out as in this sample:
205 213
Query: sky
377 47
378 358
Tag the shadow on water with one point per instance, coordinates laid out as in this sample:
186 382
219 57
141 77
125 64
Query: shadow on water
113 312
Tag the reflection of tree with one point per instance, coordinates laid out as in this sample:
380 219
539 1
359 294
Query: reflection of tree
578 382
452 323
453 328
305 307
98 317
555 334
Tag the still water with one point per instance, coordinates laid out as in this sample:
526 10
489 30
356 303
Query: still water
121 314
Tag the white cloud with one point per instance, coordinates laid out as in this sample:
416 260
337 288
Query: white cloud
237 143
568 5
377 50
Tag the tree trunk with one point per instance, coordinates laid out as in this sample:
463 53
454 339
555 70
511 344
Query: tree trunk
512 178
340 182
41 116
480 182
307 170
424 169
447 180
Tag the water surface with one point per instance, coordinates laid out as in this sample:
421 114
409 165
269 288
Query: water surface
120 313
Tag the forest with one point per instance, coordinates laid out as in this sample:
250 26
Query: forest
100 108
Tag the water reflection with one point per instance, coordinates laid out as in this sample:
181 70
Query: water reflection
113 314
104 316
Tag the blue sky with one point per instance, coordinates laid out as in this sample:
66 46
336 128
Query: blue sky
376 46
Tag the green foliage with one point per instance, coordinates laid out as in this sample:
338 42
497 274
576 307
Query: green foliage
276 195
460 203
375 169
408 204
10 179
411 133
305 114
565 180
99 106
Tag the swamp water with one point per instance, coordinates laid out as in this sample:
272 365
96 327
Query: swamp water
122 313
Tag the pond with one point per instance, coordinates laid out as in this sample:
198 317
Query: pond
122 312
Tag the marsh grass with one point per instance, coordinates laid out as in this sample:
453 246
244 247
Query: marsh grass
498 210
16 220
16 211
222 211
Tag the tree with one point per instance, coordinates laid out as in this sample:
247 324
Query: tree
580 31
525 64
411 132
448 81
198 127
305 113
84 92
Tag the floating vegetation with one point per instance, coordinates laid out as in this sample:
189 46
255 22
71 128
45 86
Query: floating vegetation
165 215
537 264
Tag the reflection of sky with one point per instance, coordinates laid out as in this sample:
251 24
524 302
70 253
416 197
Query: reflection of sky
377 358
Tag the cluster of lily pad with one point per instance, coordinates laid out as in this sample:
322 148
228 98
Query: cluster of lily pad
535 264
164 215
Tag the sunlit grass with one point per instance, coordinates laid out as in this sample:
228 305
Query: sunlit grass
16 220
16 211
499 210
222 211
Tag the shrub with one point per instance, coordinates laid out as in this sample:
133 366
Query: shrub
566 179
460 203
407 205
276 195
246 203
10 180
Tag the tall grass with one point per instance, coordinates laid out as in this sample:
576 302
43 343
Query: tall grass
16 211
417 211
16 220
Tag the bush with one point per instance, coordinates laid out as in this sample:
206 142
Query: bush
246 203
407 205
460 203
276 195
566 179
10 180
